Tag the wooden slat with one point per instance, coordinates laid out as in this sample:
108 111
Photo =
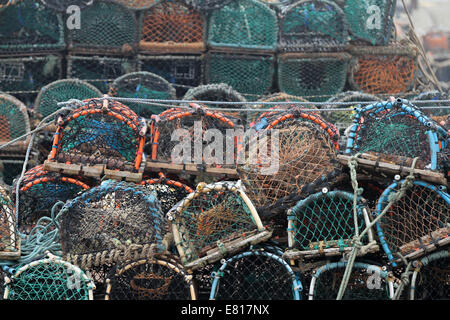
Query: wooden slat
189 168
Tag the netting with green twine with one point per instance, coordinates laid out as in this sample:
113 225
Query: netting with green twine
143 85
315 76
30 26
312 25
61 91
63 5
207 5
14 121
243 24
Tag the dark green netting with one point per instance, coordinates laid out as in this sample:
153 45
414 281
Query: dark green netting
371 21
99 71
105 26
10 172
243 24
251 75
62 5
206 5
315 76
63 90
143 85
14 121
312 25
30 26
432 95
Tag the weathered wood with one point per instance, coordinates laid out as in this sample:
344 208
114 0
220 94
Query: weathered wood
66 168
93 171
120 175
295 254
393 169
411 247
11 255
190 168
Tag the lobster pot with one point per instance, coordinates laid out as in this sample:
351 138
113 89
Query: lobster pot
243 24
397 132
24 76
170 26
207 5
249 74
143 85
366 282
107 27
192 126
40 190
9 240
63 90
369 21
436 114
99 71
158 278
182 71
415 225
323 225
49 279
112 222
63 5
102 133
315 76
255 275
214 221
383 70
28 26
312 25
14 123
430 280
138 4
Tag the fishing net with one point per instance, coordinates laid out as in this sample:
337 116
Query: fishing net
99 71
432 95
216 220
60 91
138 4
395 132
313 25
143 85
159 278
243 24
30 26
170 26
383 70
113 222
250 75
312 75
14 123
255 275
40 190
416 224
49 279
101 132
107 26
99 274
62 5
431 278
207 5
168 192
9 241
366 282
370 21
183 72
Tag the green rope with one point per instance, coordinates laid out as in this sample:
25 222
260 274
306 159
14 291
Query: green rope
404 277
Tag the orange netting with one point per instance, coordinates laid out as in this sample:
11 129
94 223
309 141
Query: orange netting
4 129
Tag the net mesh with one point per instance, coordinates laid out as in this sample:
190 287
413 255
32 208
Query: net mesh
171 25
60 91
433 278
243 24
8 232
14 121
62 5
99 274
138 4
100 132
433 95
30 26
247 74
162 278
309 25
112 222
255 275
40 190
206 5
107 26
310 75
418 219
143 85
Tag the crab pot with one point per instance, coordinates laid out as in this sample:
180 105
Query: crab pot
315 76
99 70
170 26
9 238
24 76
249 74
63 90
433 95
138 4
143 85
383 70
312 25
107 27
28 26
243 24
14 122
182 71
